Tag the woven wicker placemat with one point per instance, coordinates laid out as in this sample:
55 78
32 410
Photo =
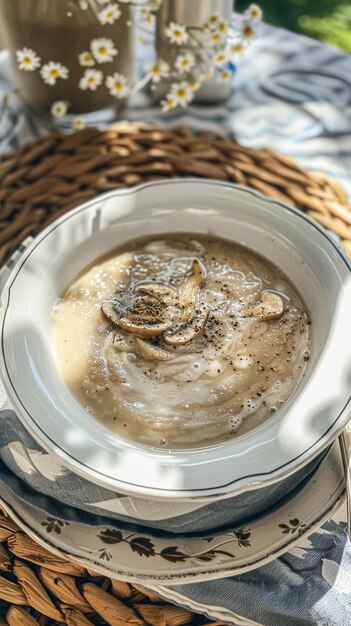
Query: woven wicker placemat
40 182
52 174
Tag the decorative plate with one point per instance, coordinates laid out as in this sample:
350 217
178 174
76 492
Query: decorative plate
129 557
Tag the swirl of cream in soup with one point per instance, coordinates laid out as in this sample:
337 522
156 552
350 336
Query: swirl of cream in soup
226 381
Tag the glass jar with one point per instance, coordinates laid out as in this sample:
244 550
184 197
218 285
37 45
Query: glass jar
59 32
193 13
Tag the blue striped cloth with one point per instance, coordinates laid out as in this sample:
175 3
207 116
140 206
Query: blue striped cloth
293 95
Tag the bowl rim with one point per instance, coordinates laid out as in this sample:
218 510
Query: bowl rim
236 486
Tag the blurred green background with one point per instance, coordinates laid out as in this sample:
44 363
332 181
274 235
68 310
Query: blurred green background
327 20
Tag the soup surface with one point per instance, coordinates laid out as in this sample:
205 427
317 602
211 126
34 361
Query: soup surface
181 341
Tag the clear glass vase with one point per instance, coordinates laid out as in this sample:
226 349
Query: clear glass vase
192 13
59 32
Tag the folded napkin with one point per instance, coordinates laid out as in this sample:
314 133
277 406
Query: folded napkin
40 479
308 586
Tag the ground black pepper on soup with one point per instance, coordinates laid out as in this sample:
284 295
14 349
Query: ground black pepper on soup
181 341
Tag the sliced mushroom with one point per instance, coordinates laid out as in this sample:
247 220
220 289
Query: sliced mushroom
271 307
190 289
146 330
119 342
150 352
111 312
146 310
188 331
161 291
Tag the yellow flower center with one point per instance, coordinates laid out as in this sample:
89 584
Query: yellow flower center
185 62
222 27
27 60
170 104
54 73
118 85
110 14
236 48
213 19
155 70
216 37
91 80
248 32
220 58
255 12
102 50
177 33
181 93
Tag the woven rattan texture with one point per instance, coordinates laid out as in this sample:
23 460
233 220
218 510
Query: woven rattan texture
38 588
52 174
40 182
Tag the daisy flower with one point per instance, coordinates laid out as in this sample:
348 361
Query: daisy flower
181 93
216 38
59 108
109 14
51 71
158 70
247 31
168 104
184 62
225 75
254 11
86 59
194 86
27 59
213 20
220 58
146 14
117 84
91 79
103 49
176 33
78 123
222 27
235 49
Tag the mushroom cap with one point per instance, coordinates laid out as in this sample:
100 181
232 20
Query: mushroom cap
161 291
190 289
188 331
111 311
150 352
270 307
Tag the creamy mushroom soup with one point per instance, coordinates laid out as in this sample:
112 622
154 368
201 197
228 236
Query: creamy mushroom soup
181 341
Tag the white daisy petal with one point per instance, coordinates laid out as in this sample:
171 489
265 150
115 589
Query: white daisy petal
158 70
220 58
168 104
103 49
52 71
181 93
184 62
110 14
176 33
59 108
27 59
86 59
78 123
254 12
117 84
91 80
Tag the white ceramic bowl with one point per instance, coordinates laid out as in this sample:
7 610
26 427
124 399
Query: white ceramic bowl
311 419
